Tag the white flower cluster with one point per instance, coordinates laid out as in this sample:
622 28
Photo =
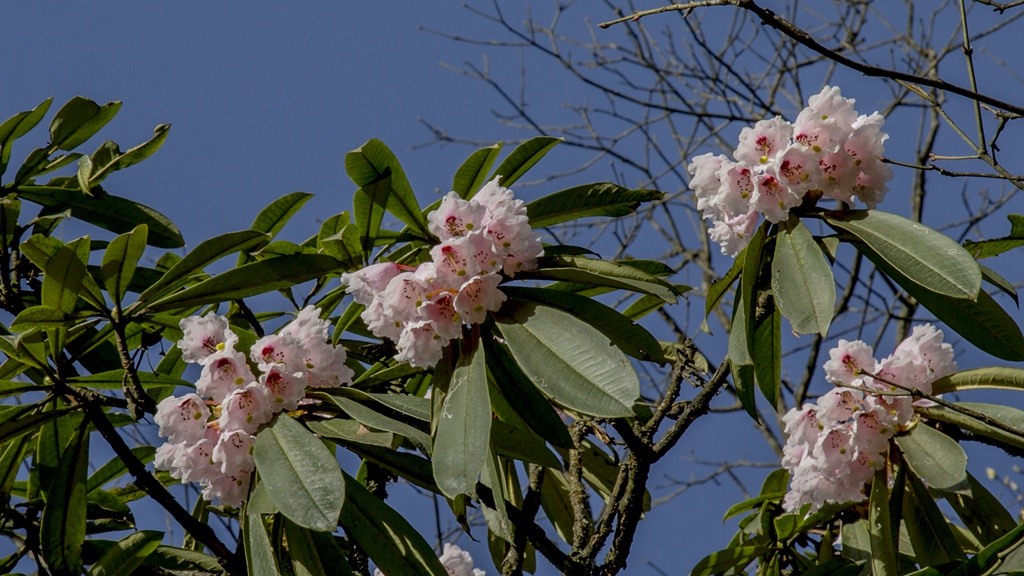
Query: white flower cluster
455 560
829 150
210 433
422 308
834 447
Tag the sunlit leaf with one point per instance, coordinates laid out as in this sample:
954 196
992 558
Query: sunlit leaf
934 541
463 425
724 560
523 158
372 162
802 281
388 538
1000 377
272 218
996 246
570 361
936 458
120 260
587 200
259 552
300 474
17 126
78 120
127 554
369 203
924 256
314 553
473 172
105 165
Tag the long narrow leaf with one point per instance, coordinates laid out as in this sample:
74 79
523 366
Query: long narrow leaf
463 426
523 158
587 200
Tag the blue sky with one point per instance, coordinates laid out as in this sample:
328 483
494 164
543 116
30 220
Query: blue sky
266 100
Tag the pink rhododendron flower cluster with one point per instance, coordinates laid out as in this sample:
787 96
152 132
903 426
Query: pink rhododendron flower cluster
829 150
422 308
210 433
834 447
455 560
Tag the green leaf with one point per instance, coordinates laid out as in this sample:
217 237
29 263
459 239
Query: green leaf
271 220
986 561
415 469
587 200
983 322
593 272
753 255
802 281
996 246
248 280
116 467
925 257
371 163
740 362
120 259
351 431
936 458
171 558
259 552
62 523
1004 414
767 356
981 512
752 503
369 205
523 158
628 336
473 172
557 504
105 163
114 379
11 456
314 553
718 289
570 361
730 558
523 445
17 126
300 474
992 277
64 276
113 213
933 540
999 377
204 254
883 551
127 554
375 419
523 396
463 425
387 538
41 318
78 120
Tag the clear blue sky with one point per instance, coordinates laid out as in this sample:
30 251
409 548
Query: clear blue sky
266 99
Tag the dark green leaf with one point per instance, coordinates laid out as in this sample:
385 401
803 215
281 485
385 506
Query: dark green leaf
116 467
587 200
473 172
522 445
300 474
740 361
718 290
78 120
593 272
986 561
767 356
996 246
314 553
523 158
248 280
523 397
114 380
570 361
120 260
351 431
17 126
388 539
463 425
126 555
104 164
557 505
259 552
369 205
272 219
922 255
936 458
62 524
981 512
999 377
64 276
204 254
415 469
41 318
371 163
171 558
109 212
992 277
730 558
881 537
982 322
933 540
628 336
1006 415
375 419
805 291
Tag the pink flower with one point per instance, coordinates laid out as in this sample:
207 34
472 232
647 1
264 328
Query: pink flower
773 198
759 145
232 454
847 360
279 349
223 372
245 409
284 388
231 489
478 296
203 336
734 234
367 283
182 418
420 344
456 217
